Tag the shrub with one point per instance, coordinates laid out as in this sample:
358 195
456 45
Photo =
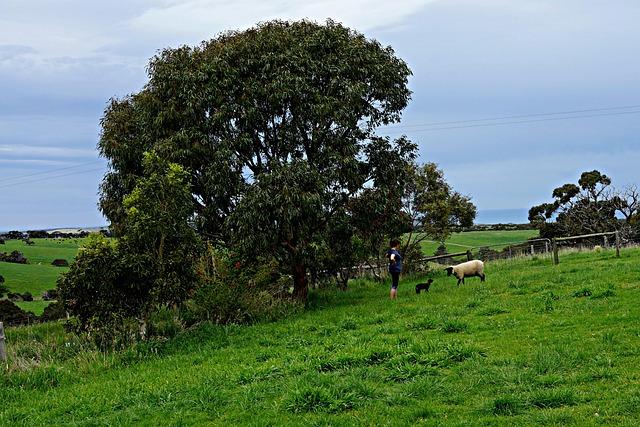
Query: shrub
54 311
27 296
14 296
60 263
98 289
12 315
14 257
231 292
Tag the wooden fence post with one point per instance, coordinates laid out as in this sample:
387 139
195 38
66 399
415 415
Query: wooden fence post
3 347
546 247
532 251
469 255
606 241
618 244
554 247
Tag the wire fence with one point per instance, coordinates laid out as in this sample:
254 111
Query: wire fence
542 247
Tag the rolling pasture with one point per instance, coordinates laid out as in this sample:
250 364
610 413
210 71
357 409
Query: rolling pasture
459 242
536 344
39 275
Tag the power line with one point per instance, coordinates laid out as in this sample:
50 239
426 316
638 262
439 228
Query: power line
11 178
394 127
15 184
520 121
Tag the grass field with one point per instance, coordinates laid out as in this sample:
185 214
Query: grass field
39 275
459 242
536 344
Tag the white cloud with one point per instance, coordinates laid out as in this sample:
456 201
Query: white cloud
205 18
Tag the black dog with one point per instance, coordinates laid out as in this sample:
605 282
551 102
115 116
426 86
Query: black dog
425 286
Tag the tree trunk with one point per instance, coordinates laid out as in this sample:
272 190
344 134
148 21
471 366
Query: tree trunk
300 283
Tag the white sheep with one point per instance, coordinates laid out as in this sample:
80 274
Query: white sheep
473 268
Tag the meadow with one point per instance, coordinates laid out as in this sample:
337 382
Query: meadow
536 344
460 242
39 275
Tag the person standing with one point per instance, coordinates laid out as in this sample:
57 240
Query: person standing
395 266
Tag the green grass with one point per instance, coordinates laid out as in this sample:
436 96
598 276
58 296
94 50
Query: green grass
39 275
527 347
35 306
44 251
460 242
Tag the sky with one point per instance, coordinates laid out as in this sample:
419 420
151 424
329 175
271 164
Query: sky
472 60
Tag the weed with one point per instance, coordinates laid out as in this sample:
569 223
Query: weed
507 405
453 326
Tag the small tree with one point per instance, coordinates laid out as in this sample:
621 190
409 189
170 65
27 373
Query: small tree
153 264
434 209
589 207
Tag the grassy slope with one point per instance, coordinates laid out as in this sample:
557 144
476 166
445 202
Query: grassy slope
459 242
535 344
39 275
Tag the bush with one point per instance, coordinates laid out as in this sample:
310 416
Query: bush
14 296
14 257
238 293
487 254
3 289
12 315
98 289
60 263
27 296
54 311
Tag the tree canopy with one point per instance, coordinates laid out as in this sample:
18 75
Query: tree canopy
588 207
276 128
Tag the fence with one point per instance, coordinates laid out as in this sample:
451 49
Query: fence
551 248
3 347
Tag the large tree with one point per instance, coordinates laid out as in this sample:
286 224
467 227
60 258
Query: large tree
277 126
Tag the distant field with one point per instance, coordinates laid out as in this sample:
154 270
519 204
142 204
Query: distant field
536 344
39 275
459 242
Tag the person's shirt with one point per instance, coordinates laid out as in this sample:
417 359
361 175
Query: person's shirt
395 267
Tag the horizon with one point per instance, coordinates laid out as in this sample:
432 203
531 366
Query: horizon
507 214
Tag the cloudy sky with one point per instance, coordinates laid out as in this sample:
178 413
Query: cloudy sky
524 61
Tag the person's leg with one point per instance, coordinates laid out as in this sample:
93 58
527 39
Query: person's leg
395 278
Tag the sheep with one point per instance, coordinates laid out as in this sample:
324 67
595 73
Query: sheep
473 268
425 286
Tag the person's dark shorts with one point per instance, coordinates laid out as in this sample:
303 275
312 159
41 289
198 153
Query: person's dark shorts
395 278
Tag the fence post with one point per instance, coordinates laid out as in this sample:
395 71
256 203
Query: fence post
546 247
606 241
3 347
469 256
554 247
532 251
618 244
